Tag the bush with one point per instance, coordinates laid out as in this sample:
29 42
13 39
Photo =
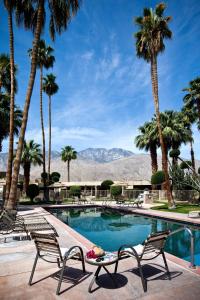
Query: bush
55 179
174 153
55 174
75 190
105 185
158 178
198 171
32 191
116 190
185 164
44 175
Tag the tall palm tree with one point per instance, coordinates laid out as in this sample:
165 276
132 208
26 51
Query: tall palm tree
153 29
4 118
148 141
31 154
192 98
45 59
50 87
60 13
10 6
67 154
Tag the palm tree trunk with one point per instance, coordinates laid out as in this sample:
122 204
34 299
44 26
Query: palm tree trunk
68 171
198 108
12 103
42 127
12 201
154 78
153 154
27 168
49 159
192 155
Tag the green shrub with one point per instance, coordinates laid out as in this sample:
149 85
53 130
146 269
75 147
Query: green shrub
75 190
32 191
105 185
116 190
174 153
55 174
44 175
198 171
158 178
185 164
55 179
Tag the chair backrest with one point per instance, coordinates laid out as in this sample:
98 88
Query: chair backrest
155 242
46 245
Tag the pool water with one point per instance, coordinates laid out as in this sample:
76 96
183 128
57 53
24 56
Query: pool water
110 229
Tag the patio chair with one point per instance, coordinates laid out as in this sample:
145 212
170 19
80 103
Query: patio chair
152 247
137 202
49 250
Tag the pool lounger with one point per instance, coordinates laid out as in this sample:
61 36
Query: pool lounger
194 214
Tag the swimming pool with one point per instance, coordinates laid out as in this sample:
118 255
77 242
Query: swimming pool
110 229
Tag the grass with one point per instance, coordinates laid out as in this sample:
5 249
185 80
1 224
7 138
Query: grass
183 208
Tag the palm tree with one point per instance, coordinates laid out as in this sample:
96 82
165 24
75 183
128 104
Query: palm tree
45 59
10 6
68 153
192 98
188 117
50 87
31 154
149 43
174 130
148 141
5 79
4 118
60 13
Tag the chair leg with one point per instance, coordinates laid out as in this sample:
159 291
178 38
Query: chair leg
144 283
82 260
61 277
166 265
33 269
116 266
58 262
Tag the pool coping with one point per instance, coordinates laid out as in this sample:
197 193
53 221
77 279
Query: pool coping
88 244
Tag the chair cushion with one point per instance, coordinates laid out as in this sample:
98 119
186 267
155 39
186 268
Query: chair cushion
139 249
64 251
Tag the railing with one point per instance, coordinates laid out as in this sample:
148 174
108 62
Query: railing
192 264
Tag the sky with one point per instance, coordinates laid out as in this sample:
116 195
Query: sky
104 88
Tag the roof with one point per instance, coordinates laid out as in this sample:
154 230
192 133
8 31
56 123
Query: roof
126 183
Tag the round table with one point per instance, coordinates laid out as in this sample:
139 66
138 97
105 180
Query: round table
108 259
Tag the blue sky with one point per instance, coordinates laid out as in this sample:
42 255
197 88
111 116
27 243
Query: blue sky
104 89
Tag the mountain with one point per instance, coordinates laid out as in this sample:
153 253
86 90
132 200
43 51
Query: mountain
98 164
103 155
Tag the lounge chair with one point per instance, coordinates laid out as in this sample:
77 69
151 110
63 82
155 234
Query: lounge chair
194 214
137 202
49 250
152 247
11 222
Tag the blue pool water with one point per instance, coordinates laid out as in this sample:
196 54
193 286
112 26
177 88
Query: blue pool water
110 229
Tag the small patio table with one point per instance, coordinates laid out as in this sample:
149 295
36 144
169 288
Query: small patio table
108 259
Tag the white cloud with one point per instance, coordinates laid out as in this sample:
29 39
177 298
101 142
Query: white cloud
87 55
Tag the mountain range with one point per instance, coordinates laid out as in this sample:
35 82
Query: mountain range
98 164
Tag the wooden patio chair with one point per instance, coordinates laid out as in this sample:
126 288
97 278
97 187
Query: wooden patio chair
49 250
151 248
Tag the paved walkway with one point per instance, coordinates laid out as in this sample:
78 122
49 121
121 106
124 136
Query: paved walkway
16 259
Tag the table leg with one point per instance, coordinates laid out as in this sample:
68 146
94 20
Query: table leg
115 284
93 279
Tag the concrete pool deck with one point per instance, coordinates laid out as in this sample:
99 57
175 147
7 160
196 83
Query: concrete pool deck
16 260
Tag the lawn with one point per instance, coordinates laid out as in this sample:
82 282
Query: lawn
183 208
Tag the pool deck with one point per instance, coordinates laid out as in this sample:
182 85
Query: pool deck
16 260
